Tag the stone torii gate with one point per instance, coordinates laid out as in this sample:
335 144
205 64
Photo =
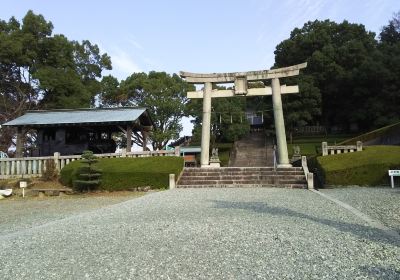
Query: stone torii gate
240 80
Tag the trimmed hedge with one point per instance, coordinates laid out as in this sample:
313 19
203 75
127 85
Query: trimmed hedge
368 168
127 173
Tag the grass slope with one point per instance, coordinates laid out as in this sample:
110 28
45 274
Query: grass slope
368 167
127 173
309 144
372 134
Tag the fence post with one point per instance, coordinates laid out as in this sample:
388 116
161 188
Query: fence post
171 181
56 161
324 148
359 146
310 180
123 152
177 151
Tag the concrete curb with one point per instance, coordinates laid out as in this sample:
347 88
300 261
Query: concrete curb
372 222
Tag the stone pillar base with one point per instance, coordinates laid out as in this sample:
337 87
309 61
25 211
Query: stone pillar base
214 164
284 165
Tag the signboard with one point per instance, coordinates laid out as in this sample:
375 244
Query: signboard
394 172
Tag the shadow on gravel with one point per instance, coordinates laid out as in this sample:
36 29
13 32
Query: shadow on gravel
363 232
377 272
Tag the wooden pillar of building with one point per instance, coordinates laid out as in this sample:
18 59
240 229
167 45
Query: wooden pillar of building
144 136
19 143
129 138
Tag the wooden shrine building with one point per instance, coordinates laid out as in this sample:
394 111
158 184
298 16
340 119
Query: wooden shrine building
71 132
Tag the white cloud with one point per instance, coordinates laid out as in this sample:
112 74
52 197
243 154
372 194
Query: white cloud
136 44
124 62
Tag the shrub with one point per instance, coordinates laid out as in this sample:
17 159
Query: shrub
128 173
50 173
368 167
88 176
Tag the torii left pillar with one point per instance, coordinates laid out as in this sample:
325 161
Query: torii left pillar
283 159
206 126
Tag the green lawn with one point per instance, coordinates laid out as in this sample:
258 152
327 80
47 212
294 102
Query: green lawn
368 167
224 150
127 173
310 144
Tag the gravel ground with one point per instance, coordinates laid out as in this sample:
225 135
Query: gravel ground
382 204
262 233
18 213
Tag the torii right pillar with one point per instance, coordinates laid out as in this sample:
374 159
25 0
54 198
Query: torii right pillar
283 158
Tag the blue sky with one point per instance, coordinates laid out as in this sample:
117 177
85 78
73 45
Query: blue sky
195 36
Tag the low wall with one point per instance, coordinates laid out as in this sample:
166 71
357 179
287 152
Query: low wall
35 166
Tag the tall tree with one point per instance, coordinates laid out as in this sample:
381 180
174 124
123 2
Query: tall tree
386 103
42 70
164 95
344 71
228 120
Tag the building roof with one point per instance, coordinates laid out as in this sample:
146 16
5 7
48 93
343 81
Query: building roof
80 116
181 141
190 149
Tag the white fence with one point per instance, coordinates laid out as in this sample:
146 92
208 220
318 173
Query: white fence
34 166
332 150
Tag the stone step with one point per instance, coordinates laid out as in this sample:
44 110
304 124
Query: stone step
254 169
290 186
241 182
227 177
235 177
243 178
243 173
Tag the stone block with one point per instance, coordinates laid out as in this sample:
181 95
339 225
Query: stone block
172 181
324 148
359 146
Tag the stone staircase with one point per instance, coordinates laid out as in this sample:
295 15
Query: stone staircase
252 151
226 177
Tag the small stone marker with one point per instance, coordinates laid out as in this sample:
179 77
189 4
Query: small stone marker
171 181
23 185
392 174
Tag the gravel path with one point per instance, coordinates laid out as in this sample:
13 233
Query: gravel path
205 234
382 204
17 214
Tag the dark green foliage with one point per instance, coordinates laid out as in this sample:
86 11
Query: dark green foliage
351 78
224 151
39 70
381 132
228 121
128 173
369 167
88 177
163 94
